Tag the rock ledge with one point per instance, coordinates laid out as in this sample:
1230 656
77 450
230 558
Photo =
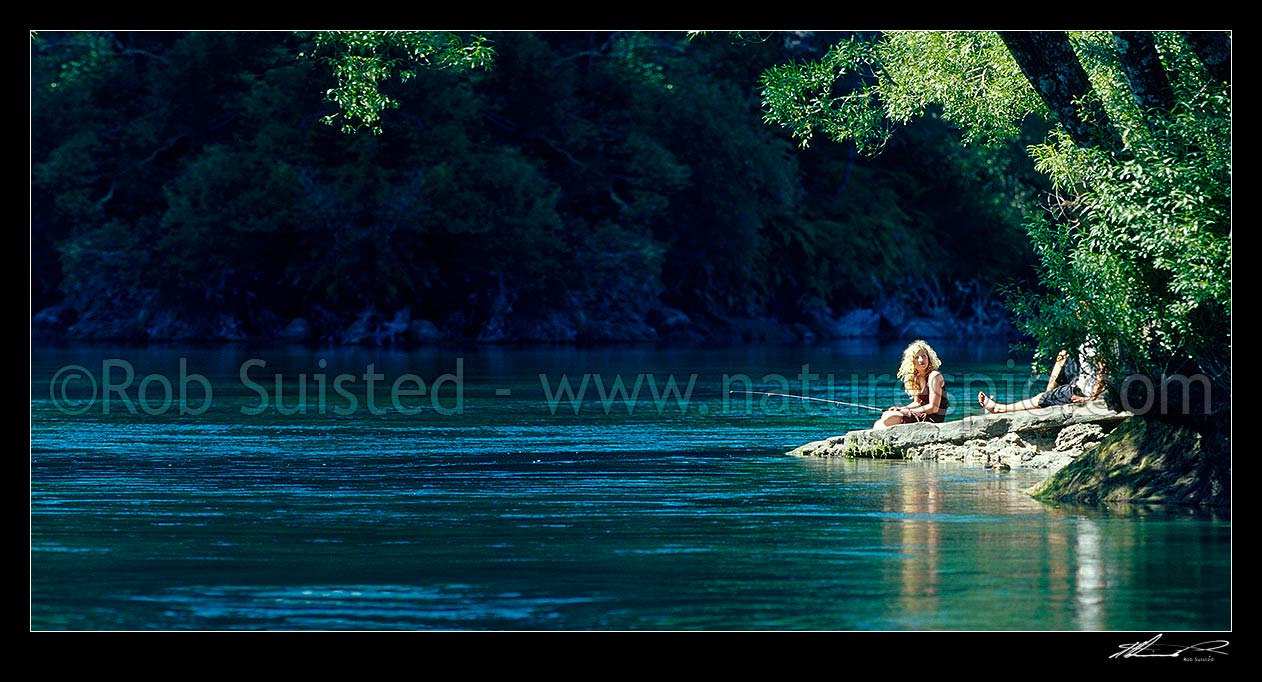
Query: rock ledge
1046 438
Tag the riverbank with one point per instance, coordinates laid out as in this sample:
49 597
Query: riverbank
1091 453
977 315
1047 438
1147 461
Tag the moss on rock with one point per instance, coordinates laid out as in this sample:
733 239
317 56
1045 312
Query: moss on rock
1145 460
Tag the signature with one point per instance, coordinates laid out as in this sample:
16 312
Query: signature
1138 649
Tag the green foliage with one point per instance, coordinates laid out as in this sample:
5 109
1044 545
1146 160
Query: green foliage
86 55
864 85
969 73
870 447
498 209
849 249
620 270
361 61
1134 244
589 177
836 96
1146 238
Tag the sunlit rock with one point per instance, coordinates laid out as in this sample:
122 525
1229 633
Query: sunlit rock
1048 437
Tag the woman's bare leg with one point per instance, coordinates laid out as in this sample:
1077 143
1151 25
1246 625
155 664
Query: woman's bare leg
888 418
990 405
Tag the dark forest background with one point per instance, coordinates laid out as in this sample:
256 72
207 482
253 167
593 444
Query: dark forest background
585 187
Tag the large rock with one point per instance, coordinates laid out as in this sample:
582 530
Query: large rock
675 326
930 328
608 327
857 323
424 331
297 331
1145 460
373 329
552 327
762 330
1028 438
665 318
106 326
229 328
892 311
364 329
1077 436
55 318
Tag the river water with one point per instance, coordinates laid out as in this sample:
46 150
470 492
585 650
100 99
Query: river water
178 488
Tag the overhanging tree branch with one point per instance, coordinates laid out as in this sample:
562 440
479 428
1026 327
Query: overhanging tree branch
1050 65
1213 48
1142 65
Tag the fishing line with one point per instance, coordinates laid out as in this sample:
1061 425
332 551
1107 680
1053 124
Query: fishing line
802 397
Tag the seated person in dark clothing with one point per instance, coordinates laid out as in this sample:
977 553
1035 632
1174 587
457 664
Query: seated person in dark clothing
1084 380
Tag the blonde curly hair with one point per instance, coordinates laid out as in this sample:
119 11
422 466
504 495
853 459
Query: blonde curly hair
907 368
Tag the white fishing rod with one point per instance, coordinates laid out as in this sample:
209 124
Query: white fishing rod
819 400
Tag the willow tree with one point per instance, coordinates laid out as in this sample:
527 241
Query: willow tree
361 62
1135 238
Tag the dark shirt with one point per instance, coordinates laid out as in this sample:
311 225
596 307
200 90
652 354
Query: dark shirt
1080 372
923 398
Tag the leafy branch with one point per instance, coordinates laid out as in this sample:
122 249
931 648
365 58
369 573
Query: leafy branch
362 61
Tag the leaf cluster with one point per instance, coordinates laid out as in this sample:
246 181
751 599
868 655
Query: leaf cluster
363 61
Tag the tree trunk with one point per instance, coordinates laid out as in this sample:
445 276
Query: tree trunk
1051 65
1213 48
1147 77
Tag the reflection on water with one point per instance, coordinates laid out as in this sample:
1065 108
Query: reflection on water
917 531
512 518
1089 576
970 543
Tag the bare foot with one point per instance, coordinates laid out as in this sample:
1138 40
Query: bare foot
987 403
